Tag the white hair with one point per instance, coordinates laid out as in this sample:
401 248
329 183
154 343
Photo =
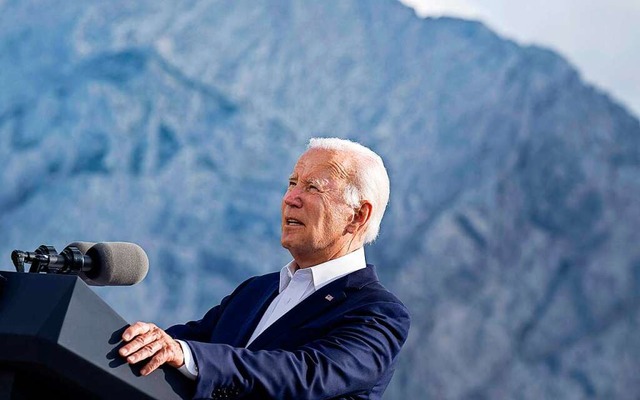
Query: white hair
370 180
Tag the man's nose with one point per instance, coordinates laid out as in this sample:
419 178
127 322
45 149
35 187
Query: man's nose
292 198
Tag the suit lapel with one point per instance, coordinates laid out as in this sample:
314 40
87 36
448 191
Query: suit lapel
264 298
318 303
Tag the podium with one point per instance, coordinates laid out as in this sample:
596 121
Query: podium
58 339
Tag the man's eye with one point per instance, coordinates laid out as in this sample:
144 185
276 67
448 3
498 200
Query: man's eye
292 183
313 188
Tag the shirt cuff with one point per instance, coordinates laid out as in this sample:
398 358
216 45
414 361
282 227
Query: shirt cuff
189 368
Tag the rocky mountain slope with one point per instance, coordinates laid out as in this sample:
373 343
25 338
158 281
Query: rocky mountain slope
511 230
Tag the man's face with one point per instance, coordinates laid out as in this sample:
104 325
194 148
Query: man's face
314 212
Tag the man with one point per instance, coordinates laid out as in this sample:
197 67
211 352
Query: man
323 327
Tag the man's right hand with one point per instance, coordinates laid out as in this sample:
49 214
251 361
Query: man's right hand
147 341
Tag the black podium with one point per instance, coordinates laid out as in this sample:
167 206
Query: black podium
59 340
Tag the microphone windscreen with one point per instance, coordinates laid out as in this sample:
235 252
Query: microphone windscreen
82 246
116 264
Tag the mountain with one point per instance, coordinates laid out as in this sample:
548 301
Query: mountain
511 230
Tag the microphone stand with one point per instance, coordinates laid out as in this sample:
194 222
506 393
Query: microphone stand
46 259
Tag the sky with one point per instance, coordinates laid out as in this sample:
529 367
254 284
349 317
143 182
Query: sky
600 38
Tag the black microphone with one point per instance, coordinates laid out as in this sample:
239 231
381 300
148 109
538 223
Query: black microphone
46 259
98 264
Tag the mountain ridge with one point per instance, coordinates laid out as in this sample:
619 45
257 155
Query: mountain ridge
174 125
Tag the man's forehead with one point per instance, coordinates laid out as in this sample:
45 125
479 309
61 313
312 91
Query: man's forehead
322 163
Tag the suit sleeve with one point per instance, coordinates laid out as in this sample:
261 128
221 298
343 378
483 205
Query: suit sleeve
349 359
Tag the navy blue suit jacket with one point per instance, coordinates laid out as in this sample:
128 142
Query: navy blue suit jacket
340 342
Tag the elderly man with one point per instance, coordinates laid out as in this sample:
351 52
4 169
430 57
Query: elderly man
323 327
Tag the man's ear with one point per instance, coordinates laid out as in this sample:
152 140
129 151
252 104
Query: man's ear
360 218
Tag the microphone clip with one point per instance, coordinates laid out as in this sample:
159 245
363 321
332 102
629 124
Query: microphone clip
46 259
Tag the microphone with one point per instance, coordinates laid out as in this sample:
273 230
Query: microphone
114 264
98 264
82 246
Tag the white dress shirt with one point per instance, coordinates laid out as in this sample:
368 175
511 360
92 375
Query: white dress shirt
295 285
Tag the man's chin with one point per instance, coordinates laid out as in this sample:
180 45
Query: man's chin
291 245
288 238
285 242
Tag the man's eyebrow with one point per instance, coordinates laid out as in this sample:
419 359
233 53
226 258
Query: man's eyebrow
293 177
317 181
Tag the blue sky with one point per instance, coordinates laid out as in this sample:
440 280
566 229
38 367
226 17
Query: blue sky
601 39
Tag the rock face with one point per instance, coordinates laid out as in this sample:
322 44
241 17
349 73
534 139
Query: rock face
512 228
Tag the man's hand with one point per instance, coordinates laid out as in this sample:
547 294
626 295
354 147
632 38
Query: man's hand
145 341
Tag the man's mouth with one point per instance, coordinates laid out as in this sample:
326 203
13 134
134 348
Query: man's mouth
293 222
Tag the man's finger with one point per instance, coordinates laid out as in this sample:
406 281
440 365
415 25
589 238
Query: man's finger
145 352
136 329
139 342
160 358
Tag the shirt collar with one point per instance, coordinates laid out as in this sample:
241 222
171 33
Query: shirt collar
326 272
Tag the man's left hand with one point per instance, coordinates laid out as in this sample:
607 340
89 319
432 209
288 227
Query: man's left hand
146 341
